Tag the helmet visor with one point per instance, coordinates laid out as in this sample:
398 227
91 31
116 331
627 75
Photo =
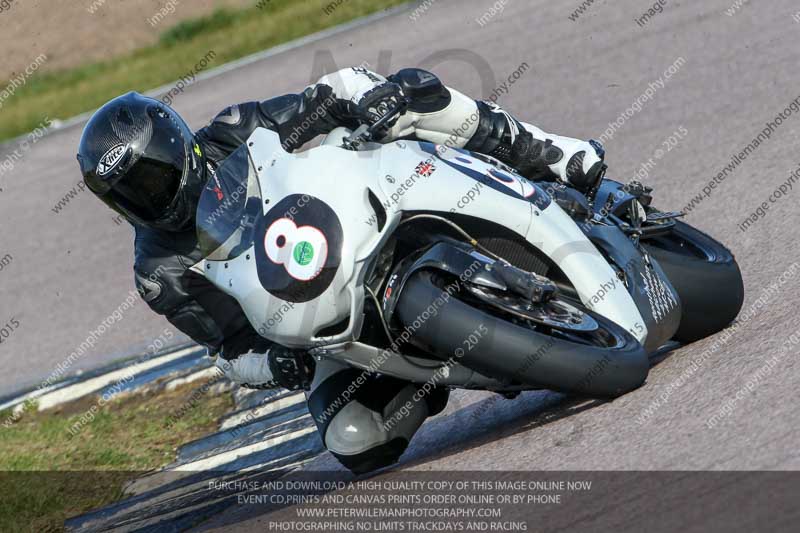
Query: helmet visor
148 188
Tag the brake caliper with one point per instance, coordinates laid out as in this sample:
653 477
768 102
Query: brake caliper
530 286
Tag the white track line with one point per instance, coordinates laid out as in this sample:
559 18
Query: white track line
261 410
221 459
83 388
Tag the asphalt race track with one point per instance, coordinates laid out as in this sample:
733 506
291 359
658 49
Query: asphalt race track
693 68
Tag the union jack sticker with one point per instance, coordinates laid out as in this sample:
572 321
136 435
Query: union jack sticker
425 169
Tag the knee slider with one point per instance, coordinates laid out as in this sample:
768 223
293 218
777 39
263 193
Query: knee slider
357 432
354 429
380 456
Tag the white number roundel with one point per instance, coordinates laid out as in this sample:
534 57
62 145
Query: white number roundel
302 251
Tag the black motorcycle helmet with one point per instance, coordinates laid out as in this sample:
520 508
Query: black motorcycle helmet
140 157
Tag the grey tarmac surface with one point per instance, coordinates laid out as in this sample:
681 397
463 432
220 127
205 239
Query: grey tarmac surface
737 73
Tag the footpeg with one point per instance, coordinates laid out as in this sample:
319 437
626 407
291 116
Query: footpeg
658 216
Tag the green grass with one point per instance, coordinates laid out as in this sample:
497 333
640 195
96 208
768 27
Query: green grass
47 475
191 28
228 34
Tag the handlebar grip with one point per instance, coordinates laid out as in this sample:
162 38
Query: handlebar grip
400 108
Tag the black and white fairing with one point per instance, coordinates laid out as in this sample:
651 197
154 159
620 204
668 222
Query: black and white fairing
292 236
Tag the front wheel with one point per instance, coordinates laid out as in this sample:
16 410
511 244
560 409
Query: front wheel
706 276
558 345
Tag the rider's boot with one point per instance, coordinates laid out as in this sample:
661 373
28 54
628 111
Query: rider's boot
442 115
275 367
536 154
250 370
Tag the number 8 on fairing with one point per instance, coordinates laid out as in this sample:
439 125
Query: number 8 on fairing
301 250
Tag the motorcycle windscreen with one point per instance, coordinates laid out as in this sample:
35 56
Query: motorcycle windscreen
228 208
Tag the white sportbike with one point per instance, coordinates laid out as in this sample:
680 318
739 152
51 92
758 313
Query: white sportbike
426 262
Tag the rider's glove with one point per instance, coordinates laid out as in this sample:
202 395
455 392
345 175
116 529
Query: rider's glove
376 102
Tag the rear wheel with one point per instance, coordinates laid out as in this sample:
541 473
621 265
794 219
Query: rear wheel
706 276
558 345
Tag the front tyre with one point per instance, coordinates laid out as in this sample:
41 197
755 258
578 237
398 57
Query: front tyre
603 360
706 276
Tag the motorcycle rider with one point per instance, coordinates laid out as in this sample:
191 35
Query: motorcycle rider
139 157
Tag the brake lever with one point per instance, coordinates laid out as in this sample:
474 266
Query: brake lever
398 110
358 136
366 133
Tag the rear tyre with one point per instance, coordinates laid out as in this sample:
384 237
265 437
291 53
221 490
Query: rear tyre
706 276
605 362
